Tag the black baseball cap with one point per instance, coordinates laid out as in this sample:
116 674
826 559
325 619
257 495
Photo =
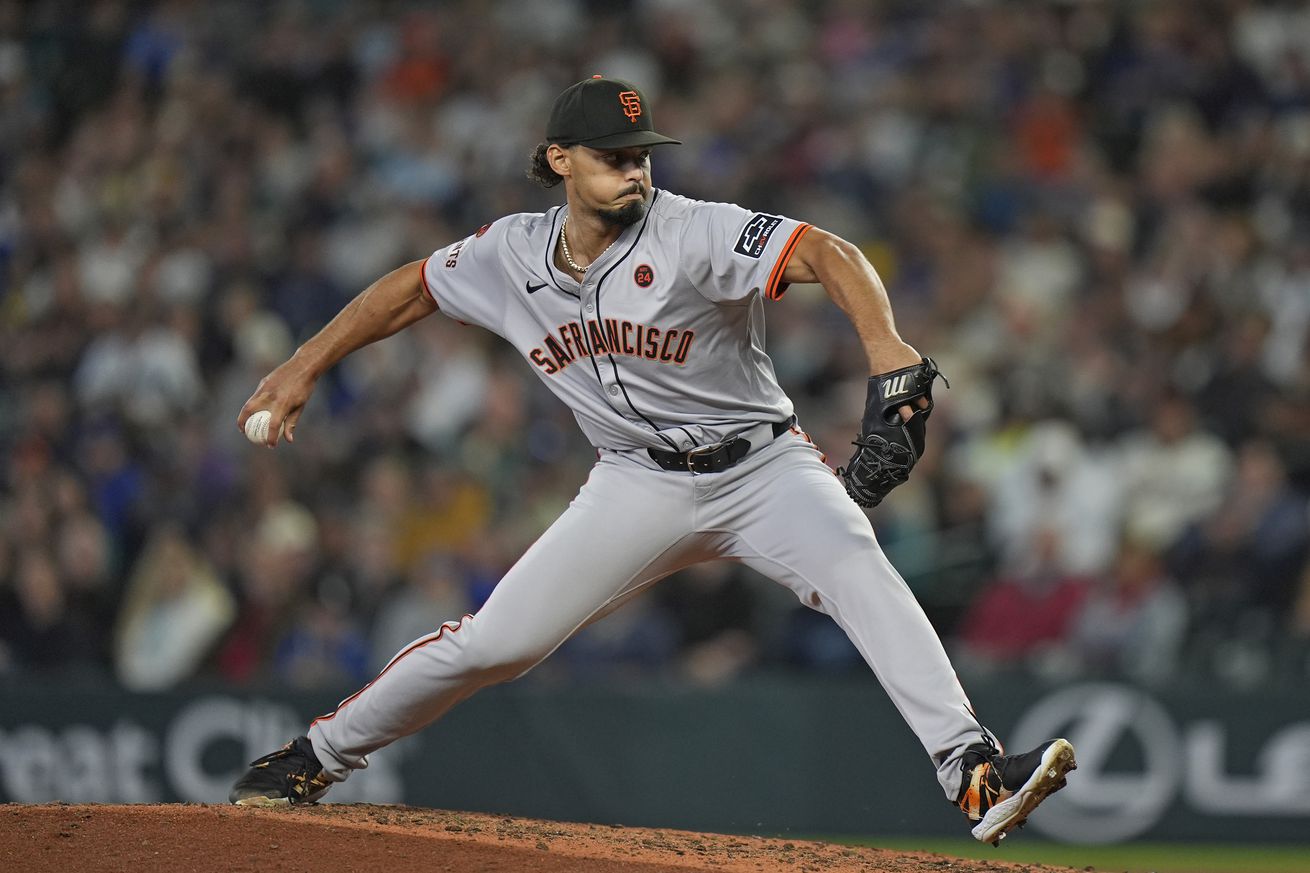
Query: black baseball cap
603 113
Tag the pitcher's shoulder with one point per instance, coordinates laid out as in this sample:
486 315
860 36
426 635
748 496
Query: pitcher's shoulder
668 205
516 231
691 211
521 226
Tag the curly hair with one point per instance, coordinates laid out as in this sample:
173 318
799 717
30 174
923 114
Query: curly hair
539 169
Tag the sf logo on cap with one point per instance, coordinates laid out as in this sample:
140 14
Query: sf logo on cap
631 101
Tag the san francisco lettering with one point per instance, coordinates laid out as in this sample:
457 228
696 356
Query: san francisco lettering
574 341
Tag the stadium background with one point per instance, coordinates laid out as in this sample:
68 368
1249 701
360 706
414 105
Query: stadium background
1095 215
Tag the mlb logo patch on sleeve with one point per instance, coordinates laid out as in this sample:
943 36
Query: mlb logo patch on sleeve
755 235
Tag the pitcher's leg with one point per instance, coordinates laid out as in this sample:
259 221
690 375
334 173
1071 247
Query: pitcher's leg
804 531
626 526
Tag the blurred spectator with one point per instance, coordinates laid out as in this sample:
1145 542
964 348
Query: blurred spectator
1132 624
450 506
274 572
1054 485
715 607
86 571
1093 214
41 633
638 636
1243 563
434 593
175 608
963 557
1019 619
1174 473
323 648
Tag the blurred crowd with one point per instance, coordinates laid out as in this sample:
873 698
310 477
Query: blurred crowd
1095 215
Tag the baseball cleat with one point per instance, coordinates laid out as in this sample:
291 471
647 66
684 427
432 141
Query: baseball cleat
1001 791
291 775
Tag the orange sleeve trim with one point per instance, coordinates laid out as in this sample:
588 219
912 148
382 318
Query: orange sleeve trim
423 274
776 287
418 644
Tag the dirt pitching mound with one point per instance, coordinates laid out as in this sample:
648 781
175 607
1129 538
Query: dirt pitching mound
335 838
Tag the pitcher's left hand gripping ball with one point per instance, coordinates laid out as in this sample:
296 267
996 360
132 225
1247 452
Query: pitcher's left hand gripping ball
887 447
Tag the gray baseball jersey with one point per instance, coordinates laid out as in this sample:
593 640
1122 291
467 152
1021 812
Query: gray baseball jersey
662 343
661 346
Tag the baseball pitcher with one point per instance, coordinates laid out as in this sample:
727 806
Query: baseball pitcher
644 312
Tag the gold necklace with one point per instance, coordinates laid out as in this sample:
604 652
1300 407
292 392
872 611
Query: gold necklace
564 244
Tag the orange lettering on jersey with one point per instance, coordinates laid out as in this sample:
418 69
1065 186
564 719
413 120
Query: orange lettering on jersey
665 354
684 346
562 358
652 343
547 365
578 342
612 336
598 344
631 101
563 331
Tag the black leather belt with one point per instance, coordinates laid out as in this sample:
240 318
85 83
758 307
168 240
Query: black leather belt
716 458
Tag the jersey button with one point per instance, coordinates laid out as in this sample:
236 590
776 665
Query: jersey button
614 390
589 308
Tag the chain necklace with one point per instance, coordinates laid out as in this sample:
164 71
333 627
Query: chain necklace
568 256
564 244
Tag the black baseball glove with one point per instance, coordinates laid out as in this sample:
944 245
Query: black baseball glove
887 448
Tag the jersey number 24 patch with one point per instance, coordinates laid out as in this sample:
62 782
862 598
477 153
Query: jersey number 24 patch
755 235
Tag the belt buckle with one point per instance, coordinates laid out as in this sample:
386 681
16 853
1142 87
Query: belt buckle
705 450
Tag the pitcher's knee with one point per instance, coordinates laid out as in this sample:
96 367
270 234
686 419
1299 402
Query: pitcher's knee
499 660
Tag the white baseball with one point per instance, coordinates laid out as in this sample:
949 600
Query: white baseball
257 427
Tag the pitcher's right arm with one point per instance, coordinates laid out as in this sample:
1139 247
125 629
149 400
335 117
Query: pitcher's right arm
390 304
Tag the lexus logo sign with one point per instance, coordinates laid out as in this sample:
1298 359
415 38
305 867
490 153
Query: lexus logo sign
1101 805
1135 761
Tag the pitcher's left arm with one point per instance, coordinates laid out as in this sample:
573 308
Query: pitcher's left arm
893 431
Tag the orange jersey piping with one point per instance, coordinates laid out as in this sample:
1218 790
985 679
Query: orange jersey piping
775 288
415 646
423 274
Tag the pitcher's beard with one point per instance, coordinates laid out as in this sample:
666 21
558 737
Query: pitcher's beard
628 214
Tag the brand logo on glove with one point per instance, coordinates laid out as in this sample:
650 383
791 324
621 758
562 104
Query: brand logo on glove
893 387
